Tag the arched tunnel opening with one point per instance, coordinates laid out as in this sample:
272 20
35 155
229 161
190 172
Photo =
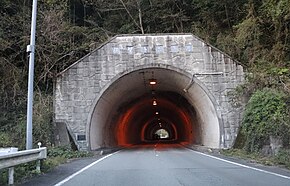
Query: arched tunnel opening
133 108
141 119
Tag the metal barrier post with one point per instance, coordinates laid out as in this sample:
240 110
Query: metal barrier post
38 166
38 161
11 176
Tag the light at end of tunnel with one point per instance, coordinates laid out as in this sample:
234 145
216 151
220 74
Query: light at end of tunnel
152 82
154 102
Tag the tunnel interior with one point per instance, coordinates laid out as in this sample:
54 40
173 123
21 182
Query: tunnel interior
138 104
141 119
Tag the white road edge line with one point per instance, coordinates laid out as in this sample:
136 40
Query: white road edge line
83 169
241 165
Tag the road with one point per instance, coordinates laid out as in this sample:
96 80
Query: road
162 164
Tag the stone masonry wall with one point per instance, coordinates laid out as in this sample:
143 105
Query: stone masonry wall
77 87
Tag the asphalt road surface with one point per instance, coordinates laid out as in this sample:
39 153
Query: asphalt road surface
162 164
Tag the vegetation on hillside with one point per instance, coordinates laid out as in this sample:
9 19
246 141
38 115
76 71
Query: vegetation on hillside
266 115
256 33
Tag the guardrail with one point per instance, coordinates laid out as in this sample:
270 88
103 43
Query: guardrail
12 159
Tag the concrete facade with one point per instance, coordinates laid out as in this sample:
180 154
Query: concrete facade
206 76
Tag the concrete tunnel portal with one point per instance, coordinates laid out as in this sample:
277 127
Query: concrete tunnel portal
105 98
130 110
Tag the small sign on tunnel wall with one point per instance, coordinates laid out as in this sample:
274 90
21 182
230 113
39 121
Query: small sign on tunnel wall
81 137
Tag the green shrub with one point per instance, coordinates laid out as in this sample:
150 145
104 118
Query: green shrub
283 157
265 115
66 152
4 139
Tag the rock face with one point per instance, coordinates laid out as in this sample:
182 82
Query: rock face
206 74
275 143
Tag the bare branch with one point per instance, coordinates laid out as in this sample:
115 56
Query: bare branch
109 9
131 15
140 16
284 84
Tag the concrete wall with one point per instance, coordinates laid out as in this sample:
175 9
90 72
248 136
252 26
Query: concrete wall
78 89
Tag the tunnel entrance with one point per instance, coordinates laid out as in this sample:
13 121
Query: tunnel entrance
132 108
105 99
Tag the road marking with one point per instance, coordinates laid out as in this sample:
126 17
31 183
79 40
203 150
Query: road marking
83 169
241 165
